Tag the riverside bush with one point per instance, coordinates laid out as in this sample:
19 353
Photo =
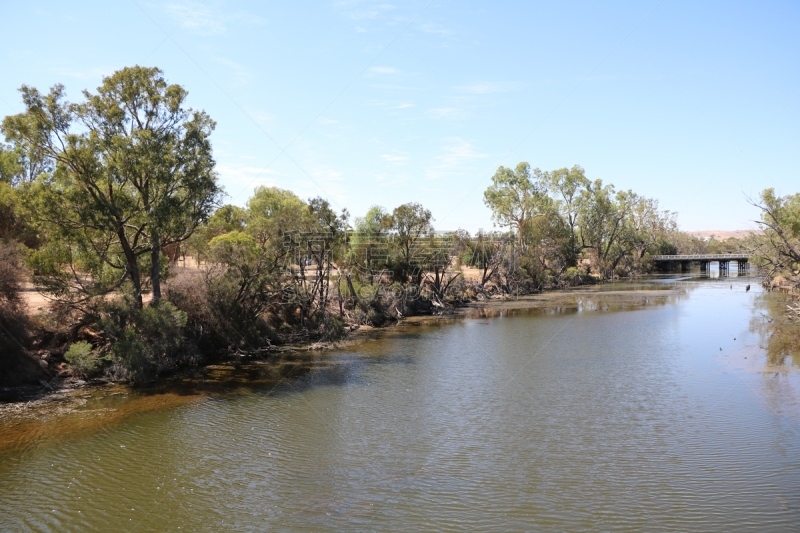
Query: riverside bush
224 311
145 342
16 366
83 359
574 276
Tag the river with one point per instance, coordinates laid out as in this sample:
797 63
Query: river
665 415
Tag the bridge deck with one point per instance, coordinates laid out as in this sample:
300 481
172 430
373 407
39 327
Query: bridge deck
703 257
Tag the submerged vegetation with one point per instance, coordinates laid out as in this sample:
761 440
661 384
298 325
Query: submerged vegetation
113 207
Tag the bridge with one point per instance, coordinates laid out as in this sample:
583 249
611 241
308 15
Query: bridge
669 262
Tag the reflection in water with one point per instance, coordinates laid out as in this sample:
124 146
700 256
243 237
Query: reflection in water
623 411
780 334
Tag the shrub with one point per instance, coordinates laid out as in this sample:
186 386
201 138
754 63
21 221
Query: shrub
16 366
144 342
225 307
333 328
10 278
575 276
83 359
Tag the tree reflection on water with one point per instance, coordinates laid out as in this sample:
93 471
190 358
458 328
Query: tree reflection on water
779 331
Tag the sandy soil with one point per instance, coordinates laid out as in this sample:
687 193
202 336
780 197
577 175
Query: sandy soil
35 300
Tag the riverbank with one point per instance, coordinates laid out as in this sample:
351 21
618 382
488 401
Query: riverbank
290 360
426 424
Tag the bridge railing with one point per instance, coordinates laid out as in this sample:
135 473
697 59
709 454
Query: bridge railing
702 257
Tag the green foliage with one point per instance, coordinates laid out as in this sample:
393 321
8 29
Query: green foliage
517 196
484 252
13 321
573 276
22 161
83 359
778 252
97 189
144 342
10 165
241 290
233 248
224 220
13 223
409 224
369 244
566 186
226 302
9 273
561 218
273 212
133 173
333 328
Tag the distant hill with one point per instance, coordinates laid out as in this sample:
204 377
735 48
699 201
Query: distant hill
721 235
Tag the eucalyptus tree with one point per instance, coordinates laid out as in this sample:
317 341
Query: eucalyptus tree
240 288
133 172
224 220
566 186
272 213
650 228
439 263
23 161
621 228
369 246
602 212
10 165
516 197
484 251
779 251
409 224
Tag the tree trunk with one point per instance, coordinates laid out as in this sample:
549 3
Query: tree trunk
351 288
155 268
133 268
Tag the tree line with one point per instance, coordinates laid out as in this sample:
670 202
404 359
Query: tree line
113 206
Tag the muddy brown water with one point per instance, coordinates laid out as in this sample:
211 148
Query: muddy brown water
603 414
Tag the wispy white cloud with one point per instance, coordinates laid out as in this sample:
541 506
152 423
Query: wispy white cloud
329 182
383 70
390 105
208 20
435 28
83 74
237 176
196 19
241 74
363 9
490 87
394 159
447 113
456 155
326 121
395 87
262 117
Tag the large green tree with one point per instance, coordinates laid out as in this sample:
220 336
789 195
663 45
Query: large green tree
602 212
369 250
566 186
516 197
409 224
779 251
134 172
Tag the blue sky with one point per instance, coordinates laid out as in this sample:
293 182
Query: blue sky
693 103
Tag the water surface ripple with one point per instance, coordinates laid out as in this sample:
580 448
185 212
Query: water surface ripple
595 420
